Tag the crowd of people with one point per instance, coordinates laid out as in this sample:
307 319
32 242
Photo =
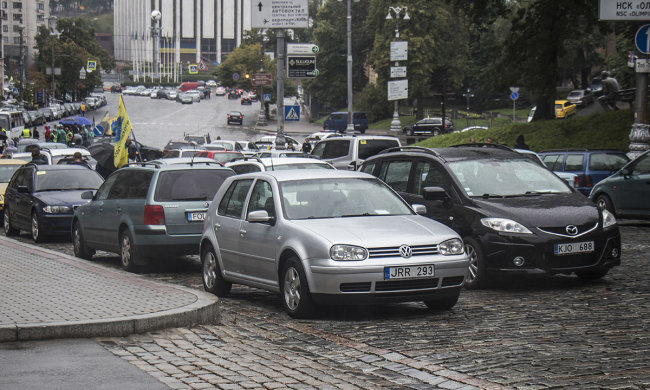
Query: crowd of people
69 135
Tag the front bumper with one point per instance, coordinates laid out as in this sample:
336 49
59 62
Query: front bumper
336 282
537 251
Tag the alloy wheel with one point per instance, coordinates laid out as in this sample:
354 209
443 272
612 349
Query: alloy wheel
292 288
209 270
473 263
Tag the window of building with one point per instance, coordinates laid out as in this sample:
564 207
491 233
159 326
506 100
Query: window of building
41 6
4 4
5 28
16 29
40 18
18 17
16 40
18 5
5 39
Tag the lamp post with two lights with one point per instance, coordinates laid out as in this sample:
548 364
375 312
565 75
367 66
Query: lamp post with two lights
395 124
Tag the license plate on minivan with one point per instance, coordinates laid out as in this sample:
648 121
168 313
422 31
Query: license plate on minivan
196 217
574 247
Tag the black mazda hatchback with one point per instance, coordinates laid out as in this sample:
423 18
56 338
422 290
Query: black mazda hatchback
514 215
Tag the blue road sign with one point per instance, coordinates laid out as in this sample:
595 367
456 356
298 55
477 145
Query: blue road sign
514 95
292 113
235 76
267 97
642 39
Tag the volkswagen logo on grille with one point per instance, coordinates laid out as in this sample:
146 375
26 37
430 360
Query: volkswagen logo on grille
405 251
206 204
572 230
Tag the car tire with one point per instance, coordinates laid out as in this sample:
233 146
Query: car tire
409 132
37 233
10 230
79 246
213 281
436 131
477 275
296 298
442 304
603 202
128 251
592 274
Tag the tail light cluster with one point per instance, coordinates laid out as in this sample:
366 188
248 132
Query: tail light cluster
154 215
576 182
587 181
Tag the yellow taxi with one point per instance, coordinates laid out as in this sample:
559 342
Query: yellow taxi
564 109
7 168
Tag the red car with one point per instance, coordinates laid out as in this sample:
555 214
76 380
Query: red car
221 156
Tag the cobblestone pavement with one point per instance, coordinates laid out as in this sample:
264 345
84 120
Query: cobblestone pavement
534 333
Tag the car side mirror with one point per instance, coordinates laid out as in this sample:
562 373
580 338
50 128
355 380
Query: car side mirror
260 216
626 172
435 193
87 195
419 209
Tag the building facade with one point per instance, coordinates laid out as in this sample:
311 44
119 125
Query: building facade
20 22
191 31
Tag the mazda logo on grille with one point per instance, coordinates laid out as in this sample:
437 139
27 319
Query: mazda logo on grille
405 251
572 230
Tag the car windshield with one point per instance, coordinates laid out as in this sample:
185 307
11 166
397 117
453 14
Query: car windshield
314 165
225 145
575 94
506 178
336 198
226 157
6 171
68 179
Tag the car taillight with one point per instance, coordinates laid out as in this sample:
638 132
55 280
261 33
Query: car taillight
576 182
587 182
154 215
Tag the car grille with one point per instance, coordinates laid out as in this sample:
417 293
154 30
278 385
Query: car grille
393 251
453 281
355 287
412 284
561 230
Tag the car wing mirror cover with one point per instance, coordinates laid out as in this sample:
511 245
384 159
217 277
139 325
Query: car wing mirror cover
87 195
626 172
260 216
419 209
435 193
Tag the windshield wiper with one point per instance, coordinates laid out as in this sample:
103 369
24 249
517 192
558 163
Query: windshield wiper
357 215
540 192
192 198
488 195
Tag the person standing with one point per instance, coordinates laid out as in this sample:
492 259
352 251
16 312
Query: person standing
61 136
48 134
520 143
306 146
26 133
35 133
610 88
38 158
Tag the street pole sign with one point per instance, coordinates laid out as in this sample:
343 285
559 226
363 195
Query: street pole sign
397 71
302 48
262 79
642 39
91 65
398 89
624 10
301 66
279 14
193 68
399 51
292 113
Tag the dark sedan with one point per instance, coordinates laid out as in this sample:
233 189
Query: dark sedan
429 126
235 117
41 198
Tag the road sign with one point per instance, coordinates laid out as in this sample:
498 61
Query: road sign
398 89
235 76
642 39
397 71
514 95
202 65
399 51
514 89
301 66
193 68
261 79
302 48
642 65
279 14
292 113
624 10
267 97
91 65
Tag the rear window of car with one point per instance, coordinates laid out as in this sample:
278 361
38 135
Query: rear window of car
189 184
371 147
332 149
607 161
574 162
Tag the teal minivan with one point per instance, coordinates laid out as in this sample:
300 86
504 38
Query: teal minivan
339 121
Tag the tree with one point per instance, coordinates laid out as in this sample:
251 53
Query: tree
72 50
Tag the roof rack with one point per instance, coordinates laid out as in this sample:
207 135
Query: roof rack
482 145
411 149
144 164
566 150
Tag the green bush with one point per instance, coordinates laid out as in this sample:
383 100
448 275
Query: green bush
608 130
373 101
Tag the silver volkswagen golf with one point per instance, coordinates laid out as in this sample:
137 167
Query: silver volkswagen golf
328 237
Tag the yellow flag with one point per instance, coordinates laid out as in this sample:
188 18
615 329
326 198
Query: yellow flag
120 156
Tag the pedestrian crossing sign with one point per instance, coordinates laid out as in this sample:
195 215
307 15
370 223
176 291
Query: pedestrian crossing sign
91 65
292 113
193 68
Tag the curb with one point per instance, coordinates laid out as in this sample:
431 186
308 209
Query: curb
203 309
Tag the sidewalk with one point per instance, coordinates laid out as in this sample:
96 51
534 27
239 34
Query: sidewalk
46 294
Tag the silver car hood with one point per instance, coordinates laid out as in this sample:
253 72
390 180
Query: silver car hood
378 231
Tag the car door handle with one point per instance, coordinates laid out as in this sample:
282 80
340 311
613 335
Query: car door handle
242 232
118 210
217 226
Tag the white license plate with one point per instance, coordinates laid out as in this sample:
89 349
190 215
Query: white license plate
409 272
192 217
574 247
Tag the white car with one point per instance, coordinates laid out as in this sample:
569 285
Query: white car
277 164
322 236
195 94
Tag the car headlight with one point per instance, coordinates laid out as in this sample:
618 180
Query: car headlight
505 225
451 247
608 219
57 209
348 253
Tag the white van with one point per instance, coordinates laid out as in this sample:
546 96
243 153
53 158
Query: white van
13 122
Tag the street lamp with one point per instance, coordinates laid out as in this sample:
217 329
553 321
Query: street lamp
395 124
350 127
21 28
53 33
155 19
